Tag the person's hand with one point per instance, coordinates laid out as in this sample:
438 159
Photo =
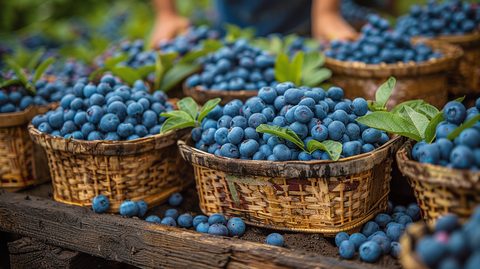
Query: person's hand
167 27
332 26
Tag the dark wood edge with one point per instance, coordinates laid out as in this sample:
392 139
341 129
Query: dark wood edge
289 169
108 148
145 244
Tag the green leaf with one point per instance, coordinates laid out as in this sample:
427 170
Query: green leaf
212 44
427 110
282 69
276 45
430 131
420 121
297 67
370 105
188 105
282 132
191 56
464 126
316 77
127 74
176 123
207 107
333 148
385 91
413 104
178 114
14 81
391 123
18 71
460 99
112 62
167 60
145 70
42 68
159 70
176 74
96 72
35 58
311 61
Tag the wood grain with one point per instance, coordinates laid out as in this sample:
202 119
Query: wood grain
144 244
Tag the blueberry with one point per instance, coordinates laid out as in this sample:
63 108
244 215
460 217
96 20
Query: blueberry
229 150
100 204
399 208
457 245
340 237
413 211
217 218
149 118
109 122
300 129
173 213
134 109
461 157
351 149
274 239
129 208
112 136
197 133
202 227
69 114
248 147
118 108
404 220
346 249
383 242
94 135
303 114
235 135
394 232
304 156
236 84
55 120
68 127
239 121
282 153
470 138
369 251
89 90
430 251
382 220
395 249
125 129
389 208
154 219
259 156
199 219
175 199
369 228
218 229
66 100
454 112
357 239
447 223
293 96
169 221
236 227
142 208
416 150
185 220
256 120
141 130
429 153
39 119
336 130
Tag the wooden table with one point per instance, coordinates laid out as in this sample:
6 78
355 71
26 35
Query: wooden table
144 244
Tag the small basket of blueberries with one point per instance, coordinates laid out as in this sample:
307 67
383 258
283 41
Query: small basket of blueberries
105 140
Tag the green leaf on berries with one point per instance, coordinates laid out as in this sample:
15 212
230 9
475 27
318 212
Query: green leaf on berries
176 74
212 44
463 127
177 114
207 107
297 67
112 62
391 123
460 99
188 105
127 74
276 45
18 71
420 121
282 132
333 148
176 123
191 56
42 68
286 71
385 91
145 70
413 104
13 81
96 72
431 130
315 77
428 110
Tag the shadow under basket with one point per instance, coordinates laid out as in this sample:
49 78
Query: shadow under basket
315 197
22 163
440 190
201 95
149 168
466 78
415 80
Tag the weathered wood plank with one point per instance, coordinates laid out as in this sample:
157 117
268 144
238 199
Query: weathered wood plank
141 243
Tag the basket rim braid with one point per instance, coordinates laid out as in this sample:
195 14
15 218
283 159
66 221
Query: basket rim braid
16 118
202 95
435 174
300 169
449 60
106 148
464 40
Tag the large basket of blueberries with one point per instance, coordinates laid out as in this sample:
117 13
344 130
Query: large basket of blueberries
292 159
235 71
455 22
22 97
420 68
105 140
444 173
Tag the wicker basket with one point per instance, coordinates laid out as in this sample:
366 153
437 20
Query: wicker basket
148 168
414 233
467 79
422 80
440 190
202 95
22 163
316 197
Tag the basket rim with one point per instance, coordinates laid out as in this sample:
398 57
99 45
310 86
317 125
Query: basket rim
302 169
218 93
463 178
16 118
352 66
473 36
102 147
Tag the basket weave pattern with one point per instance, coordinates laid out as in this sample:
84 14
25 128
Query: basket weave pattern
327 198
16 158
440 190
79 173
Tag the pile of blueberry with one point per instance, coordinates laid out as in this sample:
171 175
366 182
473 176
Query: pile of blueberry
190 41
461 153
311 113
15 98
354 13
379 237
379 43
107 111
452 245
236 67
445 18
